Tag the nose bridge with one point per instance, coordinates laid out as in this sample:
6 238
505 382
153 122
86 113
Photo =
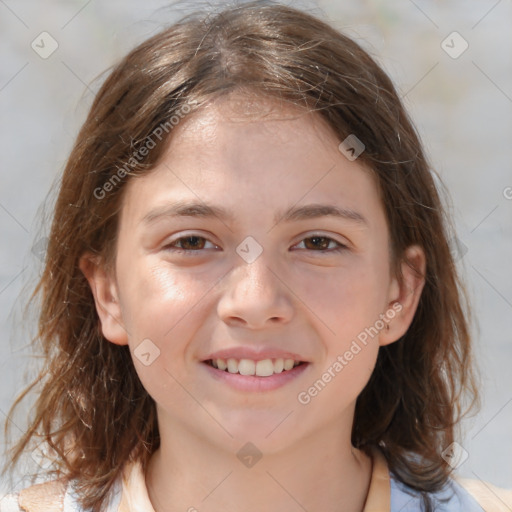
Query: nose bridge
254 294
254 281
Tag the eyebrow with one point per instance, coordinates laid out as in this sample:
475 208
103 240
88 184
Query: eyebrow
293 213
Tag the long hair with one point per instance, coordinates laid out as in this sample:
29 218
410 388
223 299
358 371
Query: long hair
92 410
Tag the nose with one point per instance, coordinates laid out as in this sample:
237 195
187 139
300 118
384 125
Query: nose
255 296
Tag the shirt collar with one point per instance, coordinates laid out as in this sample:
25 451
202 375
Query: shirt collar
135 494
379 493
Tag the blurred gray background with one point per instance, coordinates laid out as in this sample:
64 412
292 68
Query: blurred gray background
457 87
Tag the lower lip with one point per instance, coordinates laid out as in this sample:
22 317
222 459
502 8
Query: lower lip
254 383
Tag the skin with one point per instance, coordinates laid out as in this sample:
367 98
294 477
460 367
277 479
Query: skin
298 295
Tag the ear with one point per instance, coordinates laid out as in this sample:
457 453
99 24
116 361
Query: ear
404 295
106 298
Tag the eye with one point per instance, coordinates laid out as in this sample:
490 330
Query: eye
320 243
191 243
195 243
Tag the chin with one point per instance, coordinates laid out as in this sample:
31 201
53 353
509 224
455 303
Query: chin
269 430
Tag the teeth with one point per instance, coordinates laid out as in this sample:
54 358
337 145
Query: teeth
288 364
232 366
263 368
278 365
246 367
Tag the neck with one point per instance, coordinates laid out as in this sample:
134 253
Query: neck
324 472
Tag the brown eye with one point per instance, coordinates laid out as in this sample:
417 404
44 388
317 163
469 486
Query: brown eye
322 244
317 242
192 243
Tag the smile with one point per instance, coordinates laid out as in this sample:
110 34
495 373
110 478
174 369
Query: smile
254 376
262 368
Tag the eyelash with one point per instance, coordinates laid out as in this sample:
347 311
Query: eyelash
340 247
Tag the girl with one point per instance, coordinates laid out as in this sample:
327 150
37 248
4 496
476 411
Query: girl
249 301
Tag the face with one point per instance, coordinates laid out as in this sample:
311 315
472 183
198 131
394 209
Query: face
255 240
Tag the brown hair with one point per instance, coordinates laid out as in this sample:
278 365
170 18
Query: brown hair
91 397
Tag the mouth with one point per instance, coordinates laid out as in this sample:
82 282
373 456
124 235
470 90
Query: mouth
249 367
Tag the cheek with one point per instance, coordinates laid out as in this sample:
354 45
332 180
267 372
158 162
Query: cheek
347 305
161 314
345 299
156 299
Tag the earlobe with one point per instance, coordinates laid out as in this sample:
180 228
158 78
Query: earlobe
105 293
404 295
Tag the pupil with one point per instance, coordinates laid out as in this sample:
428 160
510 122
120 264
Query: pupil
316 239
192 241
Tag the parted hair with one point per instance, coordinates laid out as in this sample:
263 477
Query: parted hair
91 408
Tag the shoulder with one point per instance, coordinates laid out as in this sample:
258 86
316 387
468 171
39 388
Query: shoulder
53 496
44 497
488 495
458 495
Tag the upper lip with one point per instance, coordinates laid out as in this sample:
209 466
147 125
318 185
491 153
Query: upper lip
254 354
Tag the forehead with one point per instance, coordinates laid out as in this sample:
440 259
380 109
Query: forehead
241 150
244 113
